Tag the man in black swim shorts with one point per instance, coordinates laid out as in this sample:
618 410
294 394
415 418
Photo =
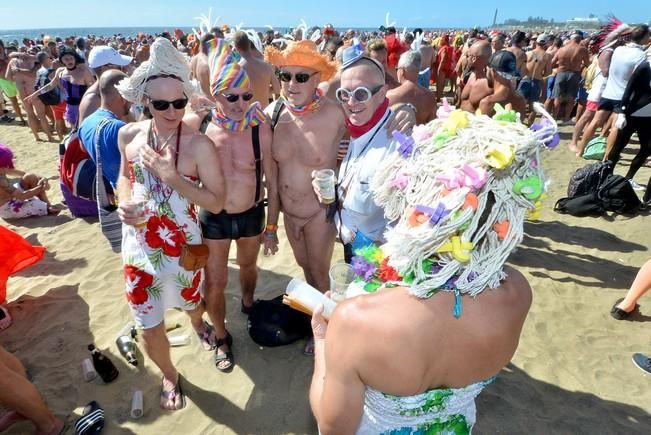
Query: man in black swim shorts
242 137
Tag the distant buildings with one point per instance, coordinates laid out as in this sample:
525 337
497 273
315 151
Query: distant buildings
583 23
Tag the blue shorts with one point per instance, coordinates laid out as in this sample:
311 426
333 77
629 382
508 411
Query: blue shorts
424 77
530 89
550 86
582 94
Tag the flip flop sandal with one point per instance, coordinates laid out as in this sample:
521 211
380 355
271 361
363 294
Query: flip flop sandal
206 337
225 356
620 314
91 421
171 395
5 318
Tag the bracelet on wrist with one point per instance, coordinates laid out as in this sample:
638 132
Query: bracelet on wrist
271 228
270 234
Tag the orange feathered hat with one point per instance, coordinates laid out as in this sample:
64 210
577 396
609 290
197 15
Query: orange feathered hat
301 53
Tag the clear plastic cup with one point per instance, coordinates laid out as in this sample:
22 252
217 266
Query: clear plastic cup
325 179
341 276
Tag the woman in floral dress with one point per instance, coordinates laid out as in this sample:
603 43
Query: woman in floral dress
167 169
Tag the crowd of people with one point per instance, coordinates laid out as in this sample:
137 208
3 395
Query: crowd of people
204 139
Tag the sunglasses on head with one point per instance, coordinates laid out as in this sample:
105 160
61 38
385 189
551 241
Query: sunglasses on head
300 77
162 105
361 94
232 98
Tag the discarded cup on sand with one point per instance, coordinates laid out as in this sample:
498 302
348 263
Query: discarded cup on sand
89 370
136 405
303 293
178 340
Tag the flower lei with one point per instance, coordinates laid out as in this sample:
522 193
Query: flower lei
306 108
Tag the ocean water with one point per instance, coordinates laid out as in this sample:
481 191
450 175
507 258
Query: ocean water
19 34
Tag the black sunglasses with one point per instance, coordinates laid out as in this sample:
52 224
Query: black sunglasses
300 77
232 98
162 105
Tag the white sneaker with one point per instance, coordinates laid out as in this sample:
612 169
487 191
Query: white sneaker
635 185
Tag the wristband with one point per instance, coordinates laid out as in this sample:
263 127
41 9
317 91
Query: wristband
270 234
272 228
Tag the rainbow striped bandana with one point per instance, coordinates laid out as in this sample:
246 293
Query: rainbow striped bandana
225 72
254 116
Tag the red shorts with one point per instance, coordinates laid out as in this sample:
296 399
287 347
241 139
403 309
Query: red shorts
58 110
592 106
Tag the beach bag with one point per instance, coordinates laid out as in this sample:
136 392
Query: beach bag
588 178
596 148
272 324
77 170
108 216
580 206
193 257
616 194
50 98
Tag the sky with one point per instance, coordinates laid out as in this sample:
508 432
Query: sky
30 14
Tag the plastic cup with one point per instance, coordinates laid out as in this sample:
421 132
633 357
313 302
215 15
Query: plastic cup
341 276
89 370
139 209
310 297
137 405
325 179
178 340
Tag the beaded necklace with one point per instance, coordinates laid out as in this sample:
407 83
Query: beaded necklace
160 191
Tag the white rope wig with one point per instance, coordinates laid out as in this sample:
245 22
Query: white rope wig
164 60
459 193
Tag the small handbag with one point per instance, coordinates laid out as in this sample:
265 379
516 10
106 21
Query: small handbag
194 257
108 216
596 148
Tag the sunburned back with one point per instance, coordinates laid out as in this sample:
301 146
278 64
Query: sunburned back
426 56
537 62
570 58
260 74
423 99
424 347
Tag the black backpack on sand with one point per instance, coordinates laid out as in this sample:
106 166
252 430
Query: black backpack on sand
614 194
272 323
588 178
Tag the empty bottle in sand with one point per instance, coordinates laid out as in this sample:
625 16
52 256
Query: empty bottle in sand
103 366
127 348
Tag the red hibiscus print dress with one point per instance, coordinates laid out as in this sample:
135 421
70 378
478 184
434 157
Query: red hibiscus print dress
154 279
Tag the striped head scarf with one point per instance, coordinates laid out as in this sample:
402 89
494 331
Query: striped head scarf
225 72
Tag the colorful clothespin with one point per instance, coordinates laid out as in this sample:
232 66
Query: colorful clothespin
502 229
504 113
555 139
400 181
471 201
530 187
500 156
456 120
460 250
440 139
435 214
444 111
417 218
475 177
406 143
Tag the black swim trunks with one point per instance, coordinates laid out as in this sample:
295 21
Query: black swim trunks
223 226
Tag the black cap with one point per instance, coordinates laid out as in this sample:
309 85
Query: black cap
504 62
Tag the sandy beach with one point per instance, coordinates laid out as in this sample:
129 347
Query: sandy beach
572 373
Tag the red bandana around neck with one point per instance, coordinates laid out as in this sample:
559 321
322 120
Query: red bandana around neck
359 130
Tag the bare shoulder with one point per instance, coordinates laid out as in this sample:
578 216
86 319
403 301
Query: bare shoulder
194 119
129 131
518 286
201 143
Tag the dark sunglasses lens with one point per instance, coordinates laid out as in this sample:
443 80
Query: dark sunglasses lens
302 77
160 105
285 76
247 97
231 98
180 103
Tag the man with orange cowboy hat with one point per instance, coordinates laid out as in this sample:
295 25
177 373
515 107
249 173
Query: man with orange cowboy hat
307 131
239 130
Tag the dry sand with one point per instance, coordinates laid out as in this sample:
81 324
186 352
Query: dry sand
572 373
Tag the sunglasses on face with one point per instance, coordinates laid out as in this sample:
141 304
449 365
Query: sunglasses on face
300 77
232 98
162 105
361 94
